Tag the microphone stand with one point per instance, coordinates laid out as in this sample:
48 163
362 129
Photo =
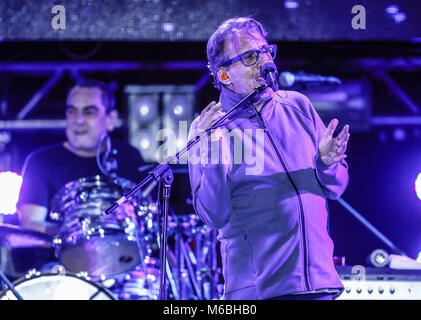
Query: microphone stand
163 172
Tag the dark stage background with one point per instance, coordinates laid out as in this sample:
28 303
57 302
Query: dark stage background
164 42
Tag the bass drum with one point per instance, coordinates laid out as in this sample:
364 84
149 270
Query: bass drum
57 286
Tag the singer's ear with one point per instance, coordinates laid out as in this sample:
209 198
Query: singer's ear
112 118
223 76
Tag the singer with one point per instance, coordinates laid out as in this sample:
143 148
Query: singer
271 225
90 113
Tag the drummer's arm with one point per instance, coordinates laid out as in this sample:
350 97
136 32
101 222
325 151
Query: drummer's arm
32 216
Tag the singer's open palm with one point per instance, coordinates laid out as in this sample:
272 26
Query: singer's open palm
332 150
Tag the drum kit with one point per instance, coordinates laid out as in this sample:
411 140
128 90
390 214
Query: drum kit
108 256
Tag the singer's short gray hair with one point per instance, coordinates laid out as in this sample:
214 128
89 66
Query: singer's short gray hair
216 43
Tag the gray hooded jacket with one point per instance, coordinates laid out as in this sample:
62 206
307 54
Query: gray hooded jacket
264 187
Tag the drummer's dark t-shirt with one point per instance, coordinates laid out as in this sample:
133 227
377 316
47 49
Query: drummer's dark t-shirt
48 169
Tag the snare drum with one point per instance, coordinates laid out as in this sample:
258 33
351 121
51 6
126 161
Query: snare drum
57 286
88 239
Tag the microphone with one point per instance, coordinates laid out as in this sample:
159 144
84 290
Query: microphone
270 73
288 79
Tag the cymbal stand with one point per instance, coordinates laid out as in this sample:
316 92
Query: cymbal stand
183 259
204 257
206 269
210 260
186 251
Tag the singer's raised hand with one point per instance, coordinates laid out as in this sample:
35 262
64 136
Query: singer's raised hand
210 115
332 150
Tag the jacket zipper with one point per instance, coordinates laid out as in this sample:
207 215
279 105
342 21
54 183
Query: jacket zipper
302 226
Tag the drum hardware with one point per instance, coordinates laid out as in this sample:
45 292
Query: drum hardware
196 269
10 286
161 173
187 259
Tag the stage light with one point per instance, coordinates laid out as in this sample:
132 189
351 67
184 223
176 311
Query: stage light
419 257
145 143
168 27
393 12
399 134
418 186
180 106
178 110
399 17
144 139
181 143
158 116
392 9
10 183
146 108
289 4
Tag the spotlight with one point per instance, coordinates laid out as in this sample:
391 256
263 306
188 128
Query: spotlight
418 186
181 143
144 139
146 108
290 4
399 134
145 143
179 106
168 27
399 17
178 110
392 9
10 183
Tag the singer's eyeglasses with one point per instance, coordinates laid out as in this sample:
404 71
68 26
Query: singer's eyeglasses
250 57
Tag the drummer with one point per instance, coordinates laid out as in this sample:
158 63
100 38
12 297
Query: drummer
90 113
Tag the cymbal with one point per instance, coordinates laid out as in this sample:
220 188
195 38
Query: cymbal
12 236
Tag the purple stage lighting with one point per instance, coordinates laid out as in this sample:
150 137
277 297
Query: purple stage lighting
290 4
168 27
147 108
418 186
392 9
399 17
10 183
